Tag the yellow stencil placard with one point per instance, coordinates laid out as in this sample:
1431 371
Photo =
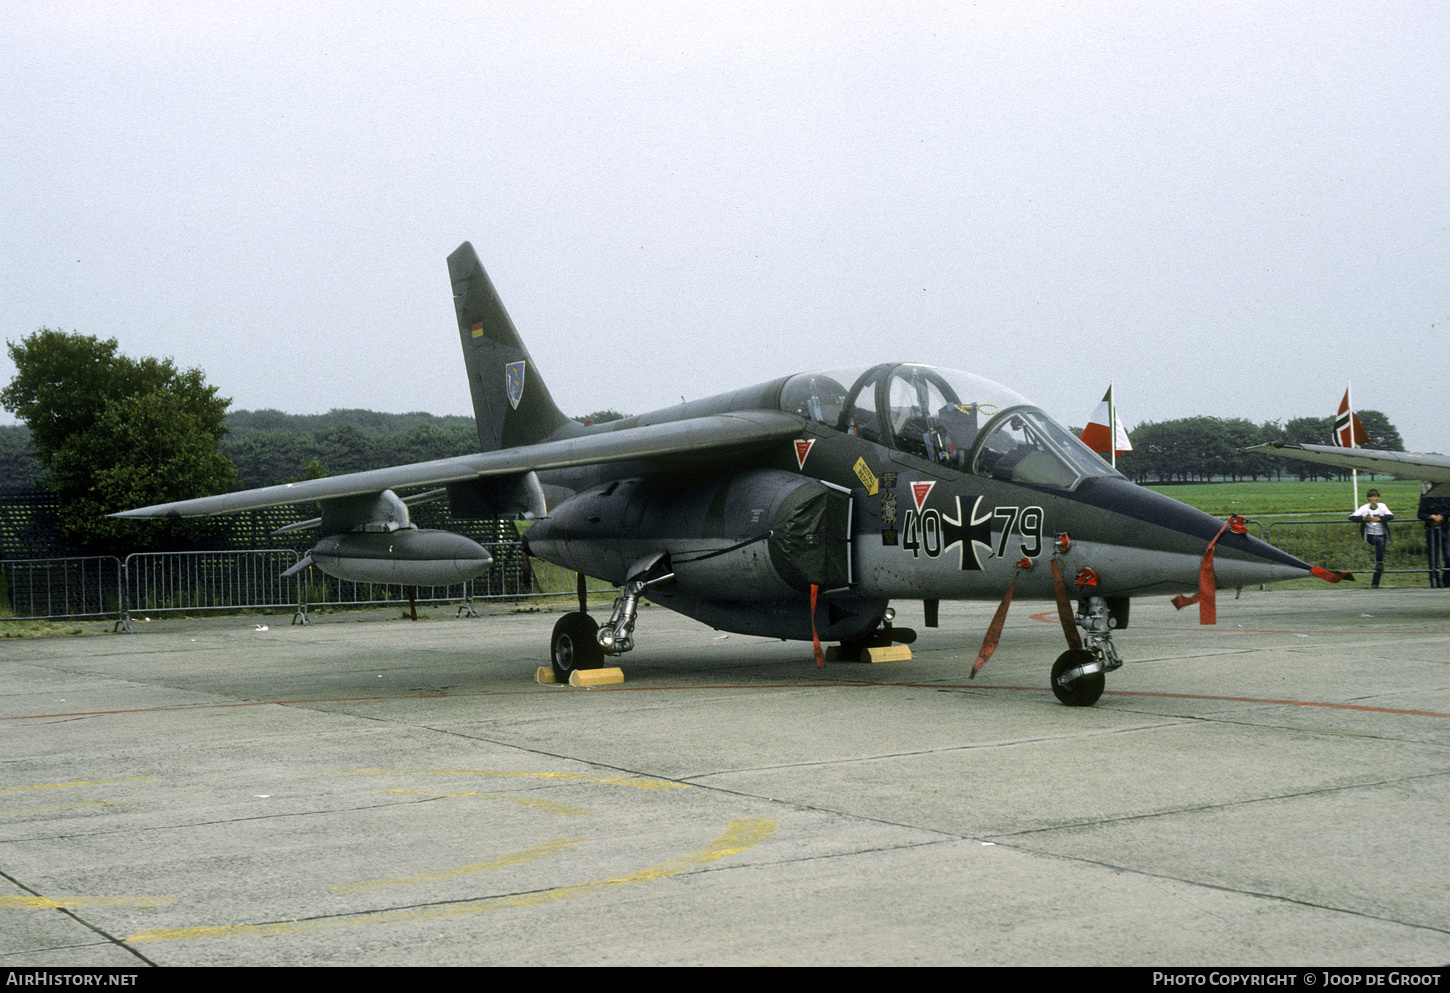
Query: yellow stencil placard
867 477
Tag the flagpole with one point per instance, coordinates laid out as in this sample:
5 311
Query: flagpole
1353 443
1113 428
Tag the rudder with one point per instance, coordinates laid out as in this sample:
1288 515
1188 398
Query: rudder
511 404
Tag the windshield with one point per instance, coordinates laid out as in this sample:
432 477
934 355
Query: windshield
1024 445
948 417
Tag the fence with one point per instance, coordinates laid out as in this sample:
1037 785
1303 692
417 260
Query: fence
161 582
50 589
1337 545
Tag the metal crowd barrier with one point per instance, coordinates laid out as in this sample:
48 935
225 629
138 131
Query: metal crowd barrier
1338 545
149 583
56 589
159 582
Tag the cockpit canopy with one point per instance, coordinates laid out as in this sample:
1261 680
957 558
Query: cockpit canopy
951 418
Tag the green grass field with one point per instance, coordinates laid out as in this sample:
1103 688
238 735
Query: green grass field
1291 497
1291 500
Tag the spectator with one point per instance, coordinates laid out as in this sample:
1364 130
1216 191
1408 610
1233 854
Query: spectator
1373 519
1434 509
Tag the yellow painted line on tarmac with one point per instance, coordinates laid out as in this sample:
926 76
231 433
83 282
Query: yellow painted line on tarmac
51 903
551 847
79 782
636 782
739 836
547 806
52 808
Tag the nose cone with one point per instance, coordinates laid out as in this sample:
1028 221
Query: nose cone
1174 536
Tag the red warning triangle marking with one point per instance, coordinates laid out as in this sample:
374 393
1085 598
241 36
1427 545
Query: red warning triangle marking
802 449
919 493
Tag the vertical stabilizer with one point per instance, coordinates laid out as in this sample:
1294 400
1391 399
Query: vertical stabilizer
510 401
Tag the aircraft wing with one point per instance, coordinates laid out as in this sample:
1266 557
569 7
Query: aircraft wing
668 443
1401 465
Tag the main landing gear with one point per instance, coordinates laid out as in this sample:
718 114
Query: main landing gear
1077 675
575 641
574 645
579 642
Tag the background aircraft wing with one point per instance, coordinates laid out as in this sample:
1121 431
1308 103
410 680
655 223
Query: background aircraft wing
1402 465
671 443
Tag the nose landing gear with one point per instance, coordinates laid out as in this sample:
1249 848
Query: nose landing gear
1077 678
1077 675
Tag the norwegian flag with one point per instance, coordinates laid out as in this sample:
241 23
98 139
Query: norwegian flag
1349 430
1098 431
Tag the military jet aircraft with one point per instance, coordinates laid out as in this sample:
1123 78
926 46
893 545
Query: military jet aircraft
796 509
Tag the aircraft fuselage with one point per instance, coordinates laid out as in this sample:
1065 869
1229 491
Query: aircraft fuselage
931 523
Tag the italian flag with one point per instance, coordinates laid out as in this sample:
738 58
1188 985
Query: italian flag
1103 425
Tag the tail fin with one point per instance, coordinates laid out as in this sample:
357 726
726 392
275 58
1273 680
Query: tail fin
511 404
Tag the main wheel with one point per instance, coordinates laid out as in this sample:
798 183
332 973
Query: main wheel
574 645
1086 690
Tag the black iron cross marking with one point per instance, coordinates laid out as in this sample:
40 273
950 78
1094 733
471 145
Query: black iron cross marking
967 536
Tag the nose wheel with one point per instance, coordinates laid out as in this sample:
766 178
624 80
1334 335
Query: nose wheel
1077 675
1077 678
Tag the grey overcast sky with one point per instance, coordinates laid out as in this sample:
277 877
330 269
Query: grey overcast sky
1226 208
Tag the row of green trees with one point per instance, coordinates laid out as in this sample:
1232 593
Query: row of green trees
1200 449
262 457
19 468
280 455
268 446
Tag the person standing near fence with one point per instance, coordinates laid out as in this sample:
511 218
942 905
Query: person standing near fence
1433 511
1373 519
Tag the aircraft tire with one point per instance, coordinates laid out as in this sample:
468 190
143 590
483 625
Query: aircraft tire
1084 692
573 645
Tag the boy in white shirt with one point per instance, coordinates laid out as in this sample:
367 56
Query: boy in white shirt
1373 519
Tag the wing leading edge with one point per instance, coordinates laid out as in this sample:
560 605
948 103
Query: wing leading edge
674 442
1401 465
